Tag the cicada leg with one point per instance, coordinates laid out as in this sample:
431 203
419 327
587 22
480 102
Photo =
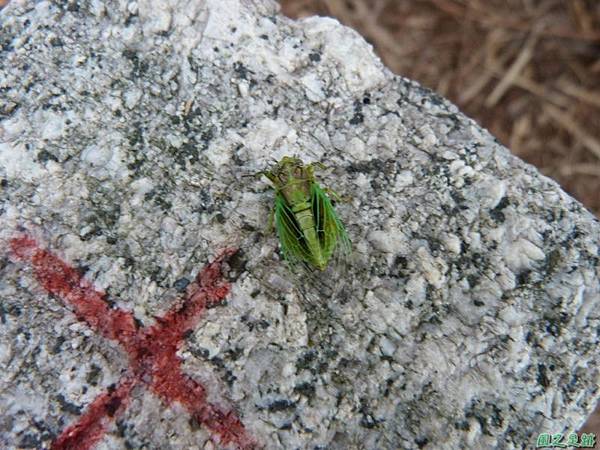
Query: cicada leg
265 173
330 192
271 221
310 169
337 197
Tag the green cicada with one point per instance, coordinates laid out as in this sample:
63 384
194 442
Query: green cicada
308 228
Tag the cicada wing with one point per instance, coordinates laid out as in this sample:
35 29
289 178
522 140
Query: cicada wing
330 230
291 239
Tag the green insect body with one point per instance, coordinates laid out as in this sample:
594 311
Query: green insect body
308 228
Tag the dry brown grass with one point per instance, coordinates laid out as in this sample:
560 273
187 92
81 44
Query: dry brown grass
528 70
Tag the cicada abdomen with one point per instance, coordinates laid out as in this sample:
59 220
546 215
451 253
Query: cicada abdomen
307 225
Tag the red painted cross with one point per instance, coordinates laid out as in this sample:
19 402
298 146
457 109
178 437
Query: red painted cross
152 350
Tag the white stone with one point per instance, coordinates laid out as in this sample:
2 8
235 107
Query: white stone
134 170
17 162
132 97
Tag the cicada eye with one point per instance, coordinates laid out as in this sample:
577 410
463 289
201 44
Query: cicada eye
298 172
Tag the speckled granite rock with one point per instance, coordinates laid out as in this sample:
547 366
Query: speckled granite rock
467 317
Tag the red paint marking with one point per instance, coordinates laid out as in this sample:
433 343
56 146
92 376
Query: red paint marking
152 350
90 427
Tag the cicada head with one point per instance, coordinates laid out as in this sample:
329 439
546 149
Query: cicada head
292 178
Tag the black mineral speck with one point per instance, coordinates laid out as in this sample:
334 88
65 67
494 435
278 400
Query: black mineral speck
237 265
487 414
181 284
55 42
523 277
112 406
314 57
306 389
93 376
281 405
472 279
497 213
30 441
57 345
542 377
241 70
26 334
220 218
230 378
304 361
200 352
262 324
462 425
421 441
375 165
529 337
357 118
553 327
235 353
552 261
44 156
73 6
68 406
368 421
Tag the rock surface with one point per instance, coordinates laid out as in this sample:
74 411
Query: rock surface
466 318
